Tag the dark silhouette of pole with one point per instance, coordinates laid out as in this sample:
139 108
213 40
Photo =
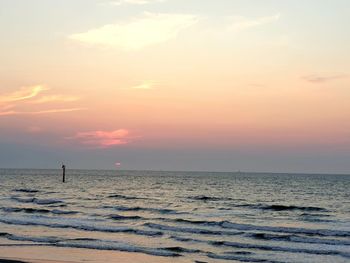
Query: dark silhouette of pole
63 173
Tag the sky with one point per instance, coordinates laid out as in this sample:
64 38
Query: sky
205 85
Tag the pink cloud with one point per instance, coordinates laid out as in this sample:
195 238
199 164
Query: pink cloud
103 139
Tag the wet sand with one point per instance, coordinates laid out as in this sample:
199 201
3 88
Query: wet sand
10 261
43 254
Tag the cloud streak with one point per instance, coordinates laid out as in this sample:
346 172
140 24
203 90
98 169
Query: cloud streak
319 79
103 139
25 93
148 30
147 85
24 97
8 113
240 23
55 98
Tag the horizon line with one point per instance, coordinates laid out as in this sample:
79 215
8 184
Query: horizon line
178 171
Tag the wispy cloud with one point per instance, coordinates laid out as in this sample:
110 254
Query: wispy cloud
133 2
103 139
239 23
55 98
6 107
8 113
147 85
148 30
24 93
320 79
13 103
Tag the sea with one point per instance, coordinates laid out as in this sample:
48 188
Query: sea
200 216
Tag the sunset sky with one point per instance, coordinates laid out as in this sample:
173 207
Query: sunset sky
215 85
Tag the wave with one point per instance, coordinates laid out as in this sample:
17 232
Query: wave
32 239
182 250
191 221
292 207
315 215
31 210
118 196
191 230
238 245
295 230
91 243
243 256
298 239
240 258
24 190
63 212
248 227
275 207
108 245
120 217
23 200
208 198
36 200
260 247
25 210
147 209
46 201
186 239
87 225
169 251
279 248
58 205
283 207
315 220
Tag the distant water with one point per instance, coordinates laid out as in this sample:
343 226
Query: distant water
206 217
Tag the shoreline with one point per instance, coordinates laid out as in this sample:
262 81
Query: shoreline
5 260
48 254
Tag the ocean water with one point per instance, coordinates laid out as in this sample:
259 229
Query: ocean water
205 217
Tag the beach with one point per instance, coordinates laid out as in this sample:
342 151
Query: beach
44 254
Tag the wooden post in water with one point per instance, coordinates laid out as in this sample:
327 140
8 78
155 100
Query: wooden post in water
63 173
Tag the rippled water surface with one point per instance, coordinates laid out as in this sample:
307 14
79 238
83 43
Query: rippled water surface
206 217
